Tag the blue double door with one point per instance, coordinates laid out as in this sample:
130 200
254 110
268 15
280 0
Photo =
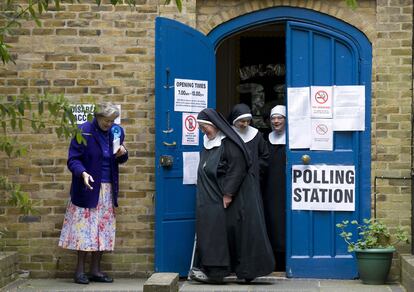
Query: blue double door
315 55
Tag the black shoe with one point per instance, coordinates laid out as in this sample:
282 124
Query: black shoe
102 278
81 279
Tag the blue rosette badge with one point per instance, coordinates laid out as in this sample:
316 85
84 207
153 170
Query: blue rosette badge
116 143
116 131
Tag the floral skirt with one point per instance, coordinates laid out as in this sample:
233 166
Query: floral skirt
90 229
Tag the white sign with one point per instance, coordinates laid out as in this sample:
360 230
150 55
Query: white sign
321 102
299 118
190 167
81 112
190 95
190 129
349 108
322 134
323 187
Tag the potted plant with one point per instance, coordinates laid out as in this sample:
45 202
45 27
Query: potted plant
374 247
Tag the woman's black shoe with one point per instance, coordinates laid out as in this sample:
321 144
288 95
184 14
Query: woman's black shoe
103 278
81 279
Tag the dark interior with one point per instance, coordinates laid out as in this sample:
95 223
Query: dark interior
251 69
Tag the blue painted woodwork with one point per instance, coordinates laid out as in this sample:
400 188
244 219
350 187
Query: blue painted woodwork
319 56
321 50
184 53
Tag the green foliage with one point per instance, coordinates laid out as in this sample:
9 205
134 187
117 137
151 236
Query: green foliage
372 234
352 3
17 197
48 111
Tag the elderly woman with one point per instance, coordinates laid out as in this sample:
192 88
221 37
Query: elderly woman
274 195
89 223
231 233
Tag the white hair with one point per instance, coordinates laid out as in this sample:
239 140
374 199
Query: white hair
106 109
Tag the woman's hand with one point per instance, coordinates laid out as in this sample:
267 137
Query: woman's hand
121 151
86 179
227 200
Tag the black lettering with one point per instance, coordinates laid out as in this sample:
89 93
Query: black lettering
339 177
349 196
296 174
330 196
323 192
350 177
324 180
306 191
314 197
297 196
315 174
307 176
338 196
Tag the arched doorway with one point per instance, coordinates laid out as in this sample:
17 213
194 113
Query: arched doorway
320 50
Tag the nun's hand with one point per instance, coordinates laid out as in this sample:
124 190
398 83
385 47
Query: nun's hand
227 200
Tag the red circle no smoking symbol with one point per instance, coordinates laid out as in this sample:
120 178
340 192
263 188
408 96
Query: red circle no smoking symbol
321 129
321 97
190 123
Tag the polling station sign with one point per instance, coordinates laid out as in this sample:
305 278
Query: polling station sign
323 187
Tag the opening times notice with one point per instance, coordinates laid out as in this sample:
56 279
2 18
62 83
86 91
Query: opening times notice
190 95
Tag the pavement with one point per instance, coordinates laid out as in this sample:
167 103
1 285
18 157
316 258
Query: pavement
268 284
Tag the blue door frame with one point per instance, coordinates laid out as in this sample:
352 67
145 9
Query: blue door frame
310 255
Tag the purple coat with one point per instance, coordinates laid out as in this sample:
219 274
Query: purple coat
89 158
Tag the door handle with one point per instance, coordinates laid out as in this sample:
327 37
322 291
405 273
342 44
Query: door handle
306 159
169 144
166 161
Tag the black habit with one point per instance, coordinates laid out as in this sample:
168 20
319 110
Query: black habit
274 200
232 239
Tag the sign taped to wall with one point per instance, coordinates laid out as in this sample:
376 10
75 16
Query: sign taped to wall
81 112
323 187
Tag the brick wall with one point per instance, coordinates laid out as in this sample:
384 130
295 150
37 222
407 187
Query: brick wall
85 51
107 53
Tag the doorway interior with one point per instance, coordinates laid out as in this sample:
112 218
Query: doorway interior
251 67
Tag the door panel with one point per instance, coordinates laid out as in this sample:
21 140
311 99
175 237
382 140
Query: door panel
184 53
316 56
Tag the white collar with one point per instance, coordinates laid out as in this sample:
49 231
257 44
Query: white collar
277 139
246 135
216 142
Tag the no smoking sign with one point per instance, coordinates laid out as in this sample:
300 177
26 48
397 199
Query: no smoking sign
321 102
190 123
190 129
321 97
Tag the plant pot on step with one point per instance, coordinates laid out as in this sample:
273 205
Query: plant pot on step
374 264
373 244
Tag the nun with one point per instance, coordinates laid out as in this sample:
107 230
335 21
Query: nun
274 193
230 227
240 118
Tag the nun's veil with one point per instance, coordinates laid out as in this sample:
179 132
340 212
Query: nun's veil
217 119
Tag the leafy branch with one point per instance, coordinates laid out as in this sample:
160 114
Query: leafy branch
50 112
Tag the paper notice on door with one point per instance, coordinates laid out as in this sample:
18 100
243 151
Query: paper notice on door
190 167
116 145
349 108
321 102
299 118
322 134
